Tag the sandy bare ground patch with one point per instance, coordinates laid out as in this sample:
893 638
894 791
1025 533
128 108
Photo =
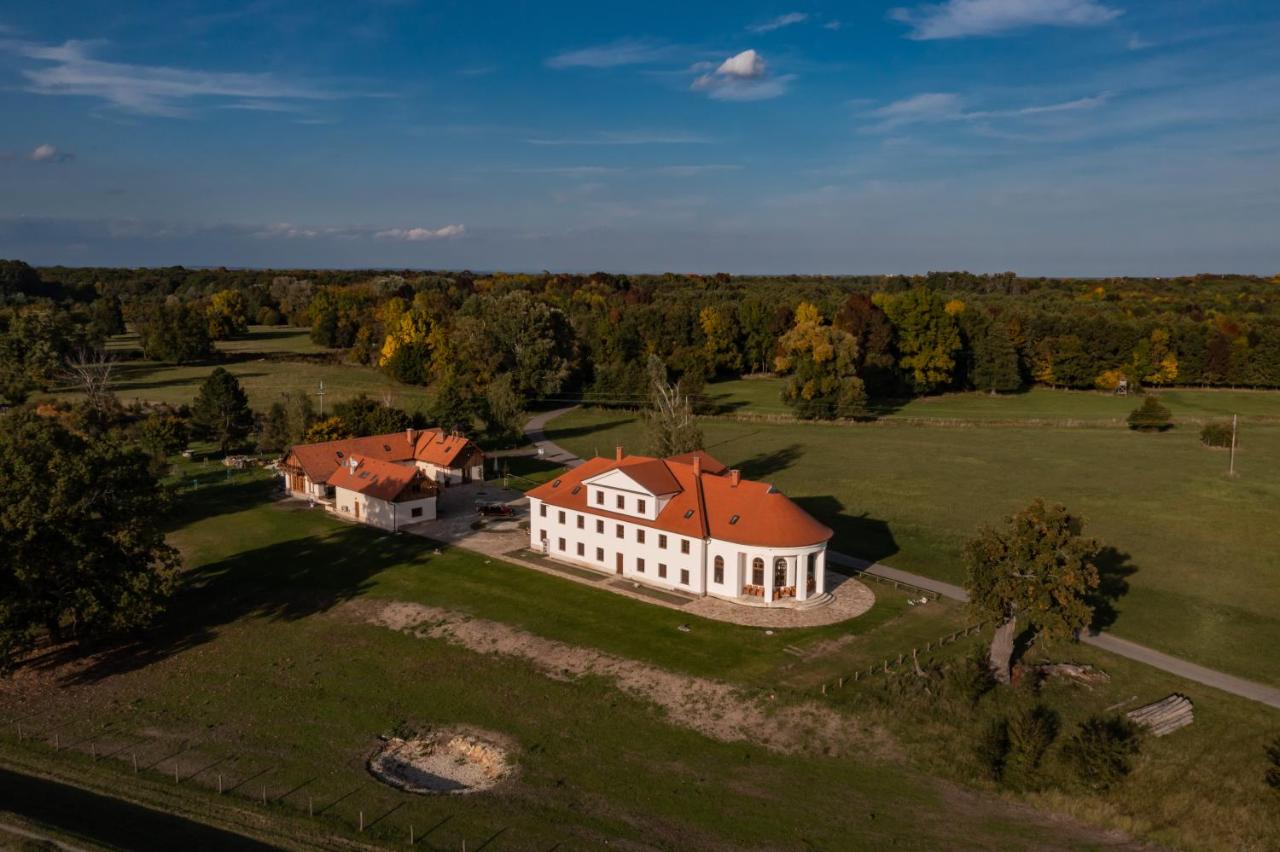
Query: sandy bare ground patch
446 761
717 710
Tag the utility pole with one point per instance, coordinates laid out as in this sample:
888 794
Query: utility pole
320 393
1234 419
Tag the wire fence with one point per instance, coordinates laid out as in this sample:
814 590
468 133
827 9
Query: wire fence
136 761
888 664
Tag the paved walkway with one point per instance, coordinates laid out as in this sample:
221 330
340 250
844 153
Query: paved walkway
533 430
1123 647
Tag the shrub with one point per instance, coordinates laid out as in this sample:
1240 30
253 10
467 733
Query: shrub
992 748
1101 751
1273 771
1216 435
268 316
1151 416
972 677
1031 732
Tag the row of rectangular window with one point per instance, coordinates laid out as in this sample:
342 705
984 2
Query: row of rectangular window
662 567
619 530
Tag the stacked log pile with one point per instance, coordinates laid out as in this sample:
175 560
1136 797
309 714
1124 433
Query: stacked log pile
1165 716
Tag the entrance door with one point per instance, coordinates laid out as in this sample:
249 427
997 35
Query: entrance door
618 563
355 504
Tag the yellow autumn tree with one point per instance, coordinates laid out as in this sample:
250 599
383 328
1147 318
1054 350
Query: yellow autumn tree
822 363
1155 360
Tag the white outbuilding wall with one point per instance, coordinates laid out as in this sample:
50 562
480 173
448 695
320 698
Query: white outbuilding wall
383 514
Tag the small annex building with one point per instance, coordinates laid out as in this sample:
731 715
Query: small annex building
383 494
686 523
375 478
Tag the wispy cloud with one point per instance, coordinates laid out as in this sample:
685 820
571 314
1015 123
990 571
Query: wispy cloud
933 107
625 137
47 153
741 77
625 51
69 69
779 22
418 235
963 18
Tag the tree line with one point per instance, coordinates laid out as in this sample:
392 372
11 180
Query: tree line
839 341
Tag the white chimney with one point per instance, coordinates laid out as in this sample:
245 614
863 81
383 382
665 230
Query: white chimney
735 476
353 464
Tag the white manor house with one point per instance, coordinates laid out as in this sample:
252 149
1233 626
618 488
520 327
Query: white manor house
686 523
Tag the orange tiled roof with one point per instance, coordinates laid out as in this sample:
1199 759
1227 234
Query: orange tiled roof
374 478
319 461
706 505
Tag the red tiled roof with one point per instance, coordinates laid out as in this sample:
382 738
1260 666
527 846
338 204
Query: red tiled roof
710 464
374 478
320 460
749 513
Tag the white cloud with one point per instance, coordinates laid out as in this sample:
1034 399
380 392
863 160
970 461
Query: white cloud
70 69
962 18
417 235
779 22
741 77
626 51
832 25
48 154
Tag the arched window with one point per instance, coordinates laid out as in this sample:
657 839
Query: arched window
757 571
718 575
779 571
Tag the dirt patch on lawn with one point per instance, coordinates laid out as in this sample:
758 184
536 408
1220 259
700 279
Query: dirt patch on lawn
446 761
714 709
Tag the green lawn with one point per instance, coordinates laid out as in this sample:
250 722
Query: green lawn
1203 551
261 338
761 396
261 675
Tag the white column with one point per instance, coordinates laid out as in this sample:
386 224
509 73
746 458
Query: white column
802 577
821 585
768 578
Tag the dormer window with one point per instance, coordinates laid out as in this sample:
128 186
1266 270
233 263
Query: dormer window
734 519
339 453
576 489
640 506
555 484
688 513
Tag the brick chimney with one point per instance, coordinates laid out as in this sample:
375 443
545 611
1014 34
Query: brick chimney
697 464
617 453
735 476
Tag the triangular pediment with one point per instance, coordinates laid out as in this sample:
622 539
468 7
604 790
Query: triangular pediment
618 479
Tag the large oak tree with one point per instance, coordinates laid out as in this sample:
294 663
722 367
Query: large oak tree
1037 571
83 552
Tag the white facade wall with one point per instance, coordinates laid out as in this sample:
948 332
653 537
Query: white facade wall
383 514
451 475
601 547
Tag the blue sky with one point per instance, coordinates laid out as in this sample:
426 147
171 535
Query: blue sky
1087 137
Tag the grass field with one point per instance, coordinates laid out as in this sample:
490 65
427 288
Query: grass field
262 675
761 396
264 379
1202 551
265 673
261 338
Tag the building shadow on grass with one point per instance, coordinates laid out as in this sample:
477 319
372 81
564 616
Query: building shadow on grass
286 581
856 535
1114 570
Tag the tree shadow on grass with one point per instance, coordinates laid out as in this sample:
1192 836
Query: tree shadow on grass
286 581
857 535
556 435
1114 569
762 465
217 495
